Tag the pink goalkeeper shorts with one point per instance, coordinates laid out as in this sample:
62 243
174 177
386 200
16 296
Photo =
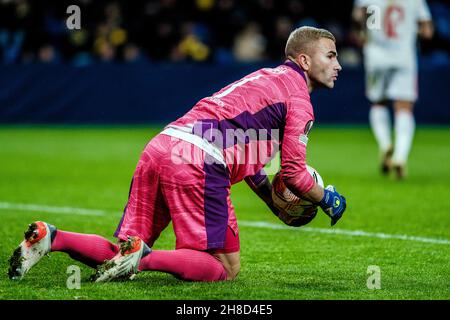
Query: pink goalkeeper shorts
195 195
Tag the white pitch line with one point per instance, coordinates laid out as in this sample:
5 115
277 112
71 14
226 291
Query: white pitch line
351 233
49 209
253 224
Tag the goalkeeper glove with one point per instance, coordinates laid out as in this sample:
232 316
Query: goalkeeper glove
333 204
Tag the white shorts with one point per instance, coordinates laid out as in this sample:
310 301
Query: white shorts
391 84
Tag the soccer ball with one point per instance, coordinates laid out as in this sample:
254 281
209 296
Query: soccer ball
285 200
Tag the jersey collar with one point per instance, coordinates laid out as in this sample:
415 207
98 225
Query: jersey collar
294 66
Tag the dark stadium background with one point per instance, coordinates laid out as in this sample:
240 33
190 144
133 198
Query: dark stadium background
150 61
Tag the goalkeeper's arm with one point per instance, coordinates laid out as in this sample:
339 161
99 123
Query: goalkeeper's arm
261 185
264 190
331 202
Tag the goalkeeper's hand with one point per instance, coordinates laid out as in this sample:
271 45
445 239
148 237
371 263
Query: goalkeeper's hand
333 204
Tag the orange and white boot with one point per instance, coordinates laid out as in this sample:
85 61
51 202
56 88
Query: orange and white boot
124 266
37 243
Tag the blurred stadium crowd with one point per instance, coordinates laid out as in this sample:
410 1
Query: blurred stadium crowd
218 31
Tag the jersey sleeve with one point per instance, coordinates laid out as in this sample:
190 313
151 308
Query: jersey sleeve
299 121
256 179
423 12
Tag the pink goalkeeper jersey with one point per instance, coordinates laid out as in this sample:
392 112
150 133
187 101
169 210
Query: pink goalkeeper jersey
253 118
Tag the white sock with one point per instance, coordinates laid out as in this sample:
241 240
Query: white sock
380 122
404 133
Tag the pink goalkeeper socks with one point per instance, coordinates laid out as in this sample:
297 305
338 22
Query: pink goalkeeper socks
185 264
89 249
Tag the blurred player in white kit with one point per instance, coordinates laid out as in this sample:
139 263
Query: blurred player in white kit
390 29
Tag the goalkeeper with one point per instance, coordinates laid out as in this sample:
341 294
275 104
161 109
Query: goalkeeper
185 173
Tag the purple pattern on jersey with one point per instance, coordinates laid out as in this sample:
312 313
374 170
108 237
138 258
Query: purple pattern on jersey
273 100
263 122
294 66
217 183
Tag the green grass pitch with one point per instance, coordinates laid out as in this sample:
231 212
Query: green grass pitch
401 227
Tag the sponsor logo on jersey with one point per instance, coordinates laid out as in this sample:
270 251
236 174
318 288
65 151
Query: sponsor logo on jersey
304 139
277 70
308 127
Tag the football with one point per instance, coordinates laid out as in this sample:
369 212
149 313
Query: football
285 200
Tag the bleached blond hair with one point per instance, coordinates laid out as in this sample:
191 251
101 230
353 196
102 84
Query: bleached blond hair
301 40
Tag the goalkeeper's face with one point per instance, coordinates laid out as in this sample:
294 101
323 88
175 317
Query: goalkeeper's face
324 65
